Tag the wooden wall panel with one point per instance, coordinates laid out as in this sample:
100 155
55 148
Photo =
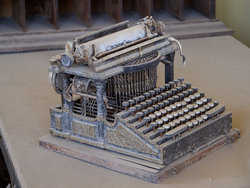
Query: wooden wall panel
206 7
174 7
51 11
19 14
114 9
83 11
143 7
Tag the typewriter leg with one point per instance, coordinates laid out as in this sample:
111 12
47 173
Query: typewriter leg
169 67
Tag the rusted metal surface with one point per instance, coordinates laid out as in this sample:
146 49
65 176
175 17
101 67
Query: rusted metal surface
110 99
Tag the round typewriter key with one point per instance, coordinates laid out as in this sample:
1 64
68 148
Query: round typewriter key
166 127
206 107
196 106
202 94
153 125
211 104
192 97
175 114
152 93
179 89
173 107
151 109
182 119
125 104
147 95
183 103
190 125
180 112
149 102
195 122
176 82
183 86
154 99
169 93
177 122
157 90
168 109
162 88
158 114
140 115
146 120
199 102
185 110
209 99
172 124
138 107
204 100
133 110
164 119
176 98
204 116
195 90
187 117
181 80
185 93
152 117
170 117
164 95
181 96
142 98
167 86
143 104
161 104
161 130
190 107
159 122
159 97
171 100
215 103
131 102
136 99
197 95
187 100
190 91
178 105
192 114
145 112
199 119
166 102
156 107
188 85
171 84
174 91
197 112
202 110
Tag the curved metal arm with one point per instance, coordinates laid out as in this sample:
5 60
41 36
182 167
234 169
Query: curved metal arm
172 39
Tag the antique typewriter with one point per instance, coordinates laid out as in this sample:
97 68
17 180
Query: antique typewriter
107 83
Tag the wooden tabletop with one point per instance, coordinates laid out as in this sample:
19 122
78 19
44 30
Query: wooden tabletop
220 66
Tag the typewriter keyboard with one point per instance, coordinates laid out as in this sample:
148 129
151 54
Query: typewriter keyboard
166 112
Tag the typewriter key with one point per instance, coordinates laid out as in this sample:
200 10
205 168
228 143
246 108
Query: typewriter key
147 95
174 91
156 107
206 107
185 93
187 100
131 102
209 99
161 104
159 97
187 117
170 117
152 93
139 115
161 131
192 97
178 105
190 107
146 120
180 112
190 91
136 99
133 110
195 90
152 117
167 86
181 80
166 102
185 110
171 84
138 107
197 95
195 122
176 82
164 119
149 102
162 88
171 100
179 89
169 93
189 125
211 104
196 106
173 107
199 102
176 98
143 104
202 94
150 109
188 85
199 119
157 90
142 98
204 116
145 112
204 100
183 86
183 103
172 124
159 122
182 119
181 96
154 99
192 114
166 127
202 110
168 109
197 112
177 122
164 95
125 104
158 114
215 103
175 114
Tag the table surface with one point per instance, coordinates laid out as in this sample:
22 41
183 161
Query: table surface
219 66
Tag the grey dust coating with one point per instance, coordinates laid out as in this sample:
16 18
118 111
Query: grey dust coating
107 83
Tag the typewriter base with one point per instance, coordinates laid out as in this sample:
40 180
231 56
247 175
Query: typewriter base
147 171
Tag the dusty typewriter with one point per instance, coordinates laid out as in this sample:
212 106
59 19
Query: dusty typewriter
107 83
